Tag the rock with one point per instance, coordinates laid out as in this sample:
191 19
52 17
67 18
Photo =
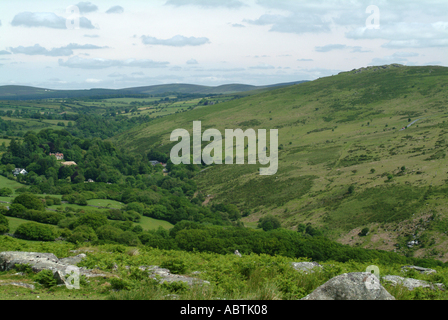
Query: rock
73 260
164 275
18 284
44 261
411 284
305 266
419 269
351 286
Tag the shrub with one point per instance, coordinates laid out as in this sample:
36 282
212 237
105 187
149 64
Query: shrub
128 238
364 232
108 233
29 201
93 220
45 278
4 224
82 234
35 231
176 266
269 222
5 192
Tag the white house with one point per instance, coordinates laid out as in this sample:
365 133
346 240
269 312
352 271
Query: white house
18 171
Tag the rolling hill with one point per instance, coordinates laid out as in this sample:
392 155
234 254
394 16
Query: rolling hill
31 93
334 133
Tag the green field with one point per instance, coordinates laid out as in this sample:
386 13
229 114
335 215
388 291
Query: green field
152 224
11 184
15 222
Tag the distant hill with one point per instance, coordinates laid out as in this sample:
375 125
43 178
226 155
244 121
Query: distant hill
345 163
30 93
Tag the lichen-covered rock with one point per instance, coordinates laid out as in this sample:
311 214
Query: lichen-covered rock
411 284
351 286
165 275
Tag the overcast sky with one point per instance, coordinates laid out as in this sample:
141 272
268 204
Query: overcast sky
130 43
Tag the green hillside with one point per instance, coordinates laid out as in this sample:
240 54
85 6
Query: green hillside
334 133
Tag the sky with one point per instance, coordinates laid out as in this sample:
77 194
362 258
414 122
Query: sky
122 44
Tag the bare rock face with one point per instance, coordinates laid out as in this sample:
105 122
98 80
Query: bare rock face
305 266
351 286
411 284
45 261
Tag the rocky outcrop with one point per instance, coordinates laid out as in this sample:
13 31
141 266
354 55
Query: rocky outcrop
18 284
411 284
351 286
419 269
45 261
305 266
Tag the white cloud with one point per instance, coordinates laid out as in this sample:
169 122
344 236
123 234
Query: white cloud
192 61
263 66
305 60
176 41
115 9
3 52
297 23
207 3
55 52
46 19
86 7
98 63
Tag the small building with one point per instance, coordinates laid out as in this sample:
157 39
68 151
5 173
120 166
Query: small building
59 156
69 163
18 171
90 180
154 162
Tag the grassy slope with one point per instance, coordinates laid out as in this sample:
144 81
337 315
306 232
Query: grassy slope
317 165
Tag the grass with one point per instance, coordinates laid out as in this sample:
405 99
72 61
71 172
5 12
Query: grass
152 224
11 184
15 222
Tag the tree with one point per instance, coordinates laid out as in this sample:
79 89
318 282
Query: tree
269 222
372 171
93 220
5 192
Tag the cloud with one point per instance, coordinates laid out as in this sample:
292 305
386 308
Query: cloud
115 9
0 23
47 20
297 23
192 61
137 73
3 52
305 60
238 25
397 57
406 35
55 52
86 7
176 41
80 63
91 36
233 4
263 66
416 43
330 47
